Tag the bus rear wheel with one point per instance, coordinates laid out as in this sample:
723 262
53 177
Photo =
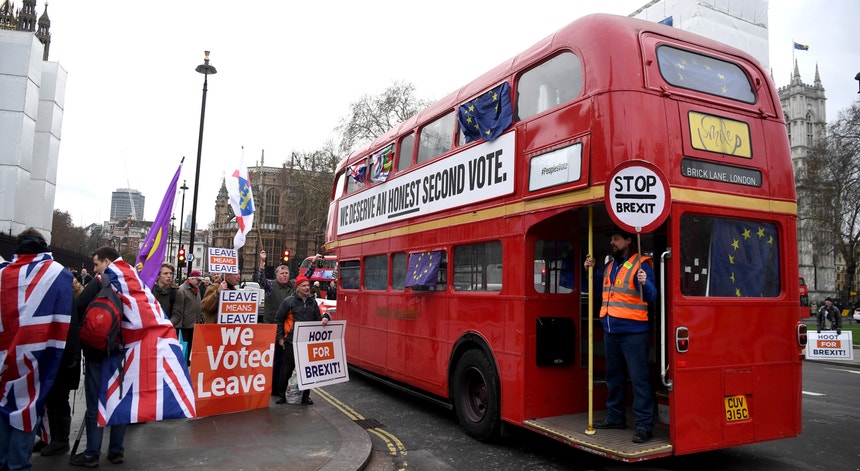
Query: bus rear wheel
476 395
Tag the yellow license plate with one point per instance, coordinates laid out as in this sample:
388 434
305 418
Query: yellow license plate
736 408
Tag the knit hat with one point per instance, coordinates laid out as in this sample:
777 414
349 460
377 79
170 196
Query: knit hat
195 274
301 279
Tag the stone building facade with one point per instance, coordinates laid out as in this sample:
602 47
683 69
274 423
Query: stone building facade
806 120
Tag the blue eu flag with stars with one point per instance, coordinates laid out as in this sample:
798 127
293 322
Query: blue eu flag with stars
423 268
488 115
744 259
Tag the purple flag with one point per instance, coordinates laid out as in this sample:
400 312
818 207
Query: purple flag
151 254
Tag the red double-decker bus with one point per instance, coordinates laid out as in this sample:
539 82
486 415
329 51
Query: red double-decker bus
461 253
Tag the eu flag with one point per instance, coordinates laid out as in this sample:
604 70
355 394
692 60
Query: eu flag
488 115
801 47
423 268
744 259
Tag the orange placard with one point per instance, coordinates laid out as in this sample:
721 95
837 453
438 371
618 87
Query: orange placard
320 351
830 343
231 367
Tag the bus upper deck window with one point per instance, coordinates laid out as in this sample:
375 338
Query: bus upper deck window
436 138
404 157
685 69
550 84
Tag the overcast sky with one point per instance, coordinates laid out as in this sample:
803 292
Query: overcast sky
287 72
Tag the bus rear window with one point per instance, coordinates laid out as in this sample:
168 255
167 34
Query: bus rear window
704 74
729 257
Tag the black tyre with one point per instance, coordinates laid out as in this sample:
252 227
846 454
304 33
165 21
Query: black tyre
477 397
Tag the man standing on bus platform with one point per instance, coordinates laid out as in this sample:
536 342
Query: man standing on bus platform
628 286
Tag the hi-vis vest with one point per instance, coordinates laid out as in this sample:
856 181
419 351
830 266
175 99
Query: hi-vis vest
623 296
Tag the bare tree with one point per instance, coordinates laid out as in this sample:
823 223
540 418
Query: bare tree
308 179
373 115
832 184
64 234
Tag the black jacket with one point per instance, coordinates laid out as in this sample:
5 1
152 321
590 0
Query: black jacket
303 309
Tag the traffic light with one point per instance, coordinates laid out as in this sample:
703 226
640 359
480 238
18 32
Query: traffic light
182 256
286 256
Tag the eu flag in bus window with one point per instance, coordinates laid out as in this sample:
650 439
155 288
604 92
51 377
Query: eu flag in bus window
488 115
744 259
423 268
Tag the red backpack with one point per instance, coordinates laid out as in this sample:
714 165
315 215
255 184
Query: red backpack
100 327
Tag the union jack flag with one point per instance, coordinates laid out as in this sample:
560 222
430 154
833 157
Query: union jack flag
35 309
358 173
155 384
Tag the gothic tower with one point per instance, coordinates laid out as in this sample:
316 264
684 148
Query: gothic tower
806 122
24 19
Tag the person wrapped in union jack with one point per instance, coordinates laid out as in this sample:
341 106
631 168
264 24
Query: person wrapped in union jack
35 310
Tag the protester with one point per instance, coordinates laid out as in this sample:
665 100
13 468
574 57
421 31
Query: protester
628 286
84 277
829 314
89 458
331 291
276 291
210 301
35 310
205 283
59 411
187 310
302 307
164 291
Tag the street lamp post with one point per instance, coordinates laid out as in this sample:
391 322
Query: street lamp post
181 219
170 244
206 70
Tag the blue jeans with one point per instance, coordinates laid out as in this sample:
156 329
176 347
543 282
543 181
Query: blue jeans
92 383
628 353
16 447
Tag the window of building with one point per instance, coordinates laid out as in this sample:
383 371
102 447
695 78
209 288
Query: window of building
272 208
478 267
550 84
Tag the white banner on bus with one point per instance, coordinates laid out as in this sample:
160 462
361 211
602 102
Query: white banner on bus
479 173
829 346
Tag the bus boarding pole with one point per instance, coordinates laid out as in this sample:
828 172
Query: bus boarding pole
590 430
639 248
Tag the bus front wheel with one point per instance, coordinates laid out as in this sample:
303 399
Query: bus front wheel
477 396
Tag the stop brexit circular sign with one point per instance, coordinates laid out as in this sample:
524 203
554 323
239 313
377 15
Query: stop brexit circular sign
637 196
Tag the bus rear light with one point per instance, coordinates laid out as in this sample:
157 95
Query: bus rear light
682 339
801 334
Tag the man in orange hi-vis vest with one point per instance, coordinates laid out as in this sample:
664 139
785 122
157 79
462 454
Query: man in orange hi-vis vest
628 286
